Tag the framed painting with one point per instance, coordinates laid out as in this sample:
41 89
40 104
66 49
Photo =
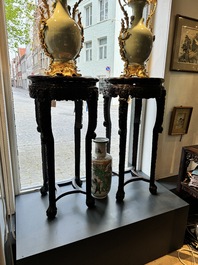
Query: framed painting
185 45
180 120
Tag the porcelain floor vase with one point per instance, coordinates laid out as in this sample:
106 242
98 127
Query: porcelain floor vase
101 169
136 40
62 39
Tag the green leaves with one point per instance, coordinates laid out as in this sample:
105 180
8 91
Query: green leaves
19 19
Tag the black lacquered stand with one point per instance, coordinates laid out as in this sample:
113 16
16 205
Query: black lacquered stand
137 88
44 89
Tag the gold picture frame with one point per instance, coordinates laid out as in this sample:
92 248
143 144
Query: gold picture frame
180 120
185 45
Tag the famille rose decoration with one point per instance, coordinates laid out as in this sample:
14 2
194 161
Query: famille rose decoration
101 169
136 38
61 36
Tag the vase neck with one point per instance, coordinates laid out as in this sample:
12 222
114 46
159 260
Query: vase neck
101 147
137 8
63 4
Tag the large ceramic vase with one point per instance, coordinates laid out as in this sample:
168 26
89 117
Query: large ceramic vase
61 38
101 169
136 38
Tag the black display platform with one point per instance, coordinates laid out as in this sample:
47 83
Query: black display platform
142 228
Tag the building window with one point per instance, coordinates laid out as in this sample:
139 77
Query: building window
103 9
23 66
42 57
88 47
35 58
88 15
44 60
103 48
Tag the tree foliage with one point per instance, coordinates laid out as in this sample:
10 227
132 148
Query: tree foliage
19 18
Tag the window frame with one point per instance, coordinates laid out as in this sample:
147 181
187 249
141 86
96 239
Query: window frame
88 15
88 51
10 133
102 49
104 10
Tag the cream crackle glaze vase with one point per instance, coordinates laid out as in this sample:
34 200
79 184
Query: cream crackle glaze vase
101 169
61 37
136 38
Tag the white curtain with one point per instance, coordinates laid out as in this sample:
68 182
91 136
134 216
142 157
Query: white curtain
2 256
3 229
9 173
8 146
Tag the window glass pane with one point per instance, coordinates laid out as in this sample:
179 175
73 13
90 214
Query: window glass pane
35 62
101 10
90 15
103 48
88 46
101 53
88 12
87 16
87 55
105 52
103 41
90 55
106 9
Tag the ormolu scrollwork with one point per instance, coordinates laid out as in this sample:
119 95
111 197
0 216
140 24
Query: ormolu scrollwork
135 38
63 56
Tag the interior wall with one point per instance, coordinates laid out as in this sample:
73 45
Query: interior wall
156 68
182 89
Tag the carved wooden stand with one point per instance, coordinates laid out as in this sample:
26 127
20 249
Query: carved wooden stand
44 89
137 88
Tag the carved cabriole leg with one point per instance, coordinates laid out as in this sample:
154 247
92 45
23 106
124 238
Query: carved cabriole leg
77 133
107 120
138 108
123 110
45 187
92 122
43 110
160 101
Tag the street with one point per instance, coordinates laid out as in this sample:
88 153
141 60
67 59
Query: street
63 116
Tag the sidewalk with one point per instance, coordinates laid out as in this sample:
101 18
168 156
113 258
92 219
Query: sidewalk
28 139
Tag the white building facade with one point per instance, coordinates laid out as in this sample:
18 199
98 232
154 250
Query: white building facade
100 56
